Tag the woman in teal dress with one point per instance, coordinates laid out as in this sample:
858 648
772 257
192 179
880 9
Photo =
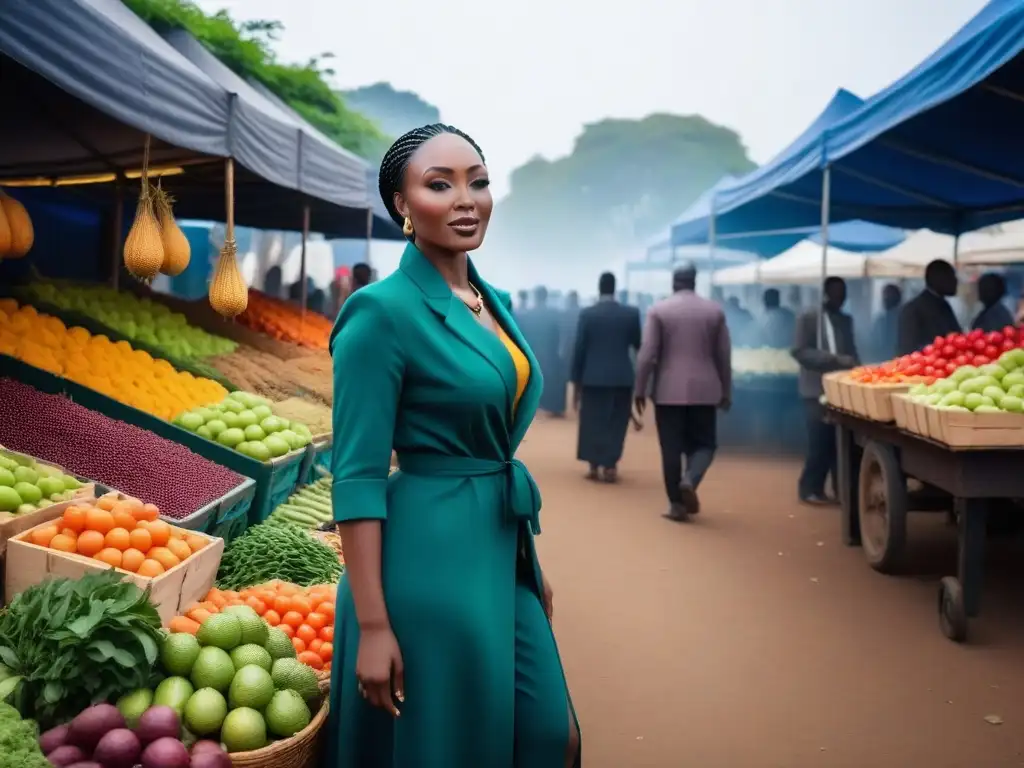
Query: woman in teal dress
444 653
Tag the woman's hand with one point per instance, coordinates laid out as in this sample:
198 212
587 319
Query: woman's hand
548 596
379 669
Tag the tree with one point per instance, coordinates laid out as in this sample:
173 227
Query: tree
624 182
394 111
247 49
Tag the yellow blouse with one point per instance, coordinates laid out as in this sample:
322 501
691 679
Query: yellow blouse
520 361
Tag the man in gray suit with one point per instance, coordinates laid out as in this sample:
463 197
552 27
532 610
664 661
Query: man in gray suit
602 379
686 346
837 352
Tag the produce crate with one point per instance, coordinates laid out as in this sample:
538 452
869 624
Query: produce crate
874 401
966 430
172 592
830 383
901 411
319 456
71 318
226 518
275 479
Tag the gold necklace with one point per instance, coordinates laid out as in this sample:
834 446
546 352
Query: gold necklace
478 306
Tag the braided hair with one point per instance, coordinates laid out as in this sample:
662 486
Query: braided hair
396 161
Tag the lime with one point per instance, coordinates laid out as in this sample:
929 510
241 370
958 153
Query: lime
244 655
205 712
243 730
222 630
213 669
293 674
278 645
252 686
286 714
174 692
178 653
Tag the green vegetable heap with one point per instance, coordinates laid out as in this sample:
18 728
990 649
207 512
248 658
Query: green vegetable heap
70 644
19 741
269 552
309 507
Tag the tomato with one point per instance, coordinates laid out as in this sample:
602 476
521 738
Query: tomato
960 360
930 349
977 333
1008 344
949 351
1010 332
978 345
960 343
980 360
994 337
992 351
950 367
952 335
929 370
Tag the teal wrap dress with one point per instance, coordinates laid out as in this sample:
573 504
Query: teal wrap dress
484 686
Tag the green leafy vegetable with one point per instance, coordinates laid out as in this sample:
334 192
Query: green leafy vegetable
19 741
268 552
69 644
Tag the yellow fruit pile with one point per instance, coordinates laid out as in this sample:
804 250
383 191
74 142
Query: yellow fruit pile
117 370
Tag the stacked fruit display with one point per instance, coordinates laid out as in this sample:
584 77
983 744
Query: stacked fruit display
246 423
304 615
125 534
119 455
764 361
236 681
139 319
943 356
26 485
115 369
285 322
990 388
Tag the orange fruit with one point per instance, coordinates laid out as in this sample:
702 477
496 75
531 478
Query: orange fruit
316 620
110 556
299 645
69 533
99 520
195 543
90 543
123 519
179 549
150 512
292 619
163 556
74 518
177 533
306 633
152 569
315 645
287 629
106 503
141 540
326 652
43 536
301 605
327 634
257 605
160 531
273 618
131 559
327 609
118 538
282 604
311 659
287 589
62 543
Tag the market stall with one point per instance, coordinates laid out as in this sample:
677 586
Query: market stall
951 420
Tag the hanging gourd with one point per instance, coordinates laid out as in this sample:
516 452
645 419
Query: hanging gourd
20 232
5 234
177 251
143 248
229 295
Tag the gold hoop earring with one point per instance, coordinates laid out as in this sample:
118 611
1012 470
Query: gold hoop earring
407 229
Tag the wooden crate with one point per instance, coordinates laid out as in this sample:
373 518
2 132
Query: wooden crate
830 384
963 429
900 410
172 592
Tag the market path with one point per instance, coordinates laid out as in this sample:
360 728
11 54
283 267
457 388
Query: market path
753 638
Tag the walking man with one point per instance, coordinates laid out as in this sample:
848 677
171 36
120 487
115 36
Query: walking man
602 379
686 346
837 352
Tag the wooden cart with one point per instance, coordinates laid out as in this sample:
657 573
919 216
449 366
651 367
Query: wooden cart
875 460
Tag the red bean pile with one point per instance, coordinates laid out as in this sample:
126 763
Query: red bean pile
119 455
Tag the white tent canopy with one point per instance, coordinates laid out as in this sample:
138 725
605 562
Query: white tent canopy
909 258
800 264
998 245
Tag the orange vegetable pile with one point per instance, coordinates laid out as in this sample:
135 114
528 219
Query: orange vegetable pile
284 322
125 534
305 614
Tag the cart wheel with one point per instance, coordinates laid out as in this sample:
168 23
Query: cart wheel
882 507
952 613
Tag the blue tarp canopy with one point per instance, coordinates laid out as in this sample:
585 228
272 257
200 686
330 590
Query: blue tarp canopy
91 79
383 226
937 149
744 221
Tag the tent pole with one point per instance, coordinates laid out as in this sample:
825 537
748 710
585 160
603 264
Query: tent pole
302 267
118 225
826 194
956 251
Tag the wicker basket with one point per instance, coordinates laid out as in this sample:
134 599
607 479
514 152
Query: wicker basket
300 751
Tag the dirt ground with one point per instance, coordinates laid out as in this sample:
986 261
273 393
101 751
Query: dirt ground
752 638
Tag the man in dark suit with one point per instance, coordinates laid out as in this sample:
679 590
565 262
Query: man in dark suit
928 314
991 291
602 379
837 351
884 339
686 347
542 327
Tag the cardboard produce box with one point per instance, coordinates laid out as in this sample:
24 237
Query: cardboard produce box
172 592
